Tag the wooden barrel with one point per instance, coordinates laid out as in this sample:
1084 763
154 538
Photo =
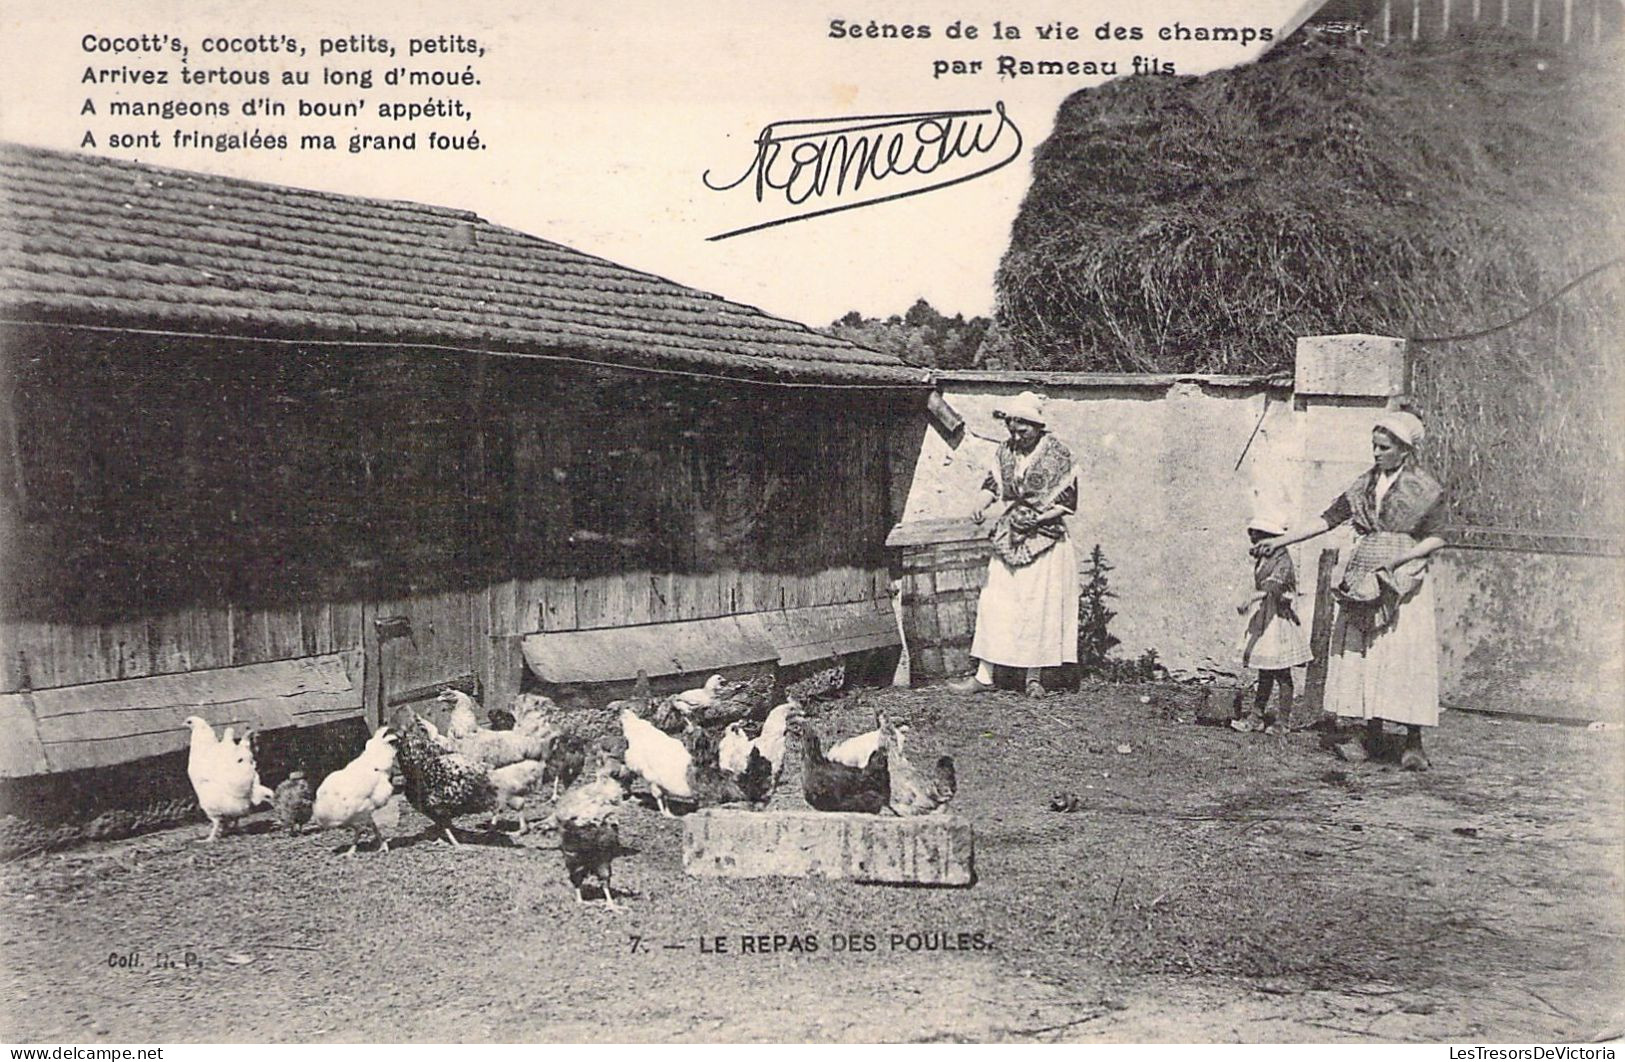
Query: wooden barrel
943 565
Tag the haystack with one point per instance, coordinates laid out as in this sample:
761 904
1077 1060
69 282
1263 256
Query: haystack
1427 190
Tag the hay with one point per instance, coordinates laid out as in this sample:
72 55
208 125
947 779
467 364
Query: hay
1203 224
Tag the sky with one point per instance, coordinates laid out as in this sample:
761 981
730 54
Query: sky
599 122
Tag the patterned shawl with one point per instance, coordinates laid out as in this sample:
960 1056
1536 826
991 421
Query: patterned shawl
1370 590
1410 498
1029 484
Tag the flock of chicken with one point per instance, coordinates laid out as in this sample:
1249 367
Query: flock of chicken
714 745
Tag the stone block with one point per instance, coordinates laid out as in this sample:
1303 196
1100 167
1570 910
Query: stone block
1356 366
927 850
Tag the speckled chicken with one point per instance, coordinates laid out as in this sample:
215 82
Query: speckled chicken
836 787
589 828
292 802
440 784
820 685
913 791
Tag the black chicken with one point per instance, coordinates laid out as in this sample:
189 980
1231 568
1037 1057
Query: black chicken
438 783
589 828
837 787
710 784
565 762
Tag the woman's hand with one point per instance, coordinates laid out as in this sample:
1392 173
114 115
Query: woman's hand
978 515
1269 546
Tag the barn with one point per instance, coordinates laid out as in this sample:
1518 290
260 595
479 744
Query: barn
288 459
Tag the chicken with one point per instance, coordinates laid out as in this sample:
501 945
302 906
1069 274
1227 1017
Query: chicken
713 785
717 703
855 751
291 802
734 752
438 783
912 791
588 821
690 701
659 759
702 748
514 783
837 787
818 685
223 776
530 739
565 761
351 796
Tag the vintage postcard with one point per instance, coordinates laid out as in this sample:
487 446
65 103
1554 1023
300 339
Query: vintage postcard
994 521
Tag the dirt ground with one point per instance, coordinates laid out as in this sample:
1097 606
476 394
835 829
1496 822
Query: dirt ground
1212 886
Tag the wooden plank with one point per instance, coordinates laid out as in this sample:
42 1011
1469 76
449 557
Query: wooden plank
1320 634
126 645
616 654
100 724
930 532
21 752
620 600
502 599
825 631
316 629
263 634
554 607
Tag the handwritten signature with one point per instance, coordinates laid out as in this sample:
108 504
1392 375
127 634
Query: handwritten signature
819 160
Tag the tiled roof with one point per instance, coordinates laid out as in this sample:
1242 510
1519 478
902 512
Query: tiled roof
85 239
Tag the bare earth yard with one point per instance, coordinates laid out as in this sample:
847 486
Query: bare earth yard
1212 886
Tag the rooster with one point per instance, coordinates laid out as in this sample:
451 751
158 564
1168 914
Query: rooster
589 829
837 787
438 783
912 791
223 776
351 796
659 759
734 753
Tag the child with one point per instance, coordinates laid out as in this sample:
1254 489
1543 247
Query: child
1273 641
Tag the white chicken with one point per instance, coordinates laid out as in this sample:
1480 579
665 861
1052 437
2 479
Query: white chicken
351 796
658 758
223 776
855 751
733 754
462 722
690 701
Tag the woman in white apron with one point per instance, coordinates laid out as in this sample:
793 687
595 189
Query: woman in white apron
1383 660
1027 616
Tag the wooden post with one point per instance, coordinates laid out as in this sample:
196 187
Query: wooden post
1505 12
1596 21
1416 19
372 661
1478 8
1568 20
1534 20
1387 20
1320 634
1444 19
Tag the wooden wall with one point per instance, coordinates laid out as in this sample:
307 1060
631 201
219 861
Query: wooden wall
199 506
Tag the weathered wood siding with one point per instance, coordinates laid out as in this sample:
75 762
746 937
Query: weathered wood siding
193 505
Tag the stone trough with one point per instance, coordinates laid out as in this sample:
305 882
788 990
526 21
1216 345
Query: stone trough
928 850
